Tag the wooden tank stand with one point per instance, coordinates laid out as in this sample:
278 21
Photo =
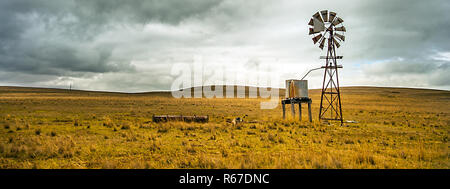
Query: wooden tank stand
299 101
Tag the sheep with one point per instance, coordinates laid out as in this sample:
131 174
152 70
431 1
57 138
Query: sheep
238 120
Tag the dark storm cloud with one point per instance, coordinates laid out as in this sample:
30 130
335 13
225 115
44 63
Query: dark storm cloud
32 42
58 59
401 28
56 37
130 45
395 42
142 11
106 11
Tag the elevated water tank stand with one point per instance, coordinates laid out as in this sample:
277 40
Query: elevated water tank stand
299 101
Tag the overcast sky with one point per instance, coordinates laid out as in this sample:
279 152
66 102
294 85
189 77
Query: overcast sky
131 46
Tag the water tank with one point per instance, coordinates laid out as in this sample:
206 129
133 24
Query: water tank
296 88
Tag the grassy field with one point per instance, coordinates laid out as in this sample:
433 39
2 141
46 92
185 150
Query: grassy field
51 128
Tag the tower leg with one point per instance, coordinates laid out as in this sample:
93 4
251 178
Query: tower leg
309 112
300 111
283 105
292 108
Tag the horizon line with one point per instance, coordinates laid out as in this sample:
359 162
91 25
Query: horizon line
166 91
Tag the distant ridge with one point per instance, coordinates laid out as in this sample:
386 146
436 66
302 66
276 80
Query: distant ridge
19 89
346 90
238 91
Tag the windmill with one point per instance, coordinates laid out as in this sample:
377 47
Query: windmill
328 31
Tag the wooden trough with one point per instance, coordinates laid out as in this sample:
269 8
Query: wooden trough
166 118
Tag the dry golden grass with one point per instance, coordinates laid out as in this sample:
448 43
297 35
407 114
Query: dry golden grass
50 128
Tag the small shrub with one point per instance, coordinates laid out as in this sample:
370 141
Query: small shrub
348 141
163 130
224 153
37 132
108 123
190 149
361 159
6 126
246 145
126 125
53 133
272 137
154 147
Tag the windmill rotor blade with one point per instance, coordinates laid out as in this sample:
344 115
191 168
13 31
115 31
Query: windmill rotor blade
342 28
322 43
332 15
315 39
324 14
336 43
341 37
311 31
318 25
317 16
311 22
337 21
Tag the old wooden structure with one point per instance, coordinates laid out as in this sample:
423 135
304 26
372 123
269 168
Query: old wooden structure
299 101
166 118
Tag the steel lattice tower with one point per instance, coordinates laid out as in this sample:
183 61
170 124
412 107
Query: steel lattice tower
330 100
